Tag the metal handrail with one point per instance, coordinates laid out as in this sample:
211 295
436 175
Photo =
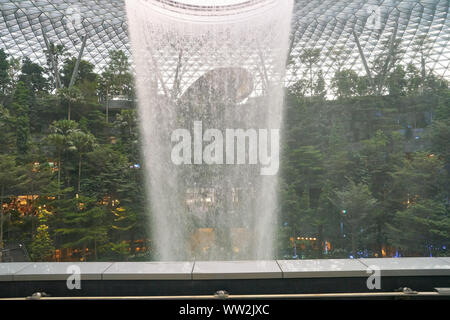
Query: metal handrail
438 293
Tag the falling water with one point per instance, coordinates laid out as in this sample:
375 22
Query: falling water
211 67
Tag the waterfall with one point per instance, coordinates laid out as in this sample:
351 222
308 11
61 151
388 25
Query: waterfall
209 81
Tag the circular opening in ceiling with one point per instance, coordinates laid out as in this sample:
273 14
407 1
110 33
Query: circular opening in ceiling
210 8
209 5
211 2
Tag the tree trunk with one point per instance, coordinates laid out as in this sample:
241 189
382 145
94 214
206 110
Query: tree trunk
380 241
59 174
95 248
68 117
354 242
320 239
423 73
107 106
32 228
79 174
84 253
1 223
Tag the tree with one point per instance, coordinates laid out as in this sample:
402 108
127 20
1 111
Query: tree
419 177
70 97
42 245
54 54
86 79
9 179
396 81
107 179
21 109
310 57
386 61
4 75
439 136
306 163
6 131
414 80
82 222
32 75
64 127
320 86
422 46
421 228
290 210
117 79
345 83
59 140
85 72
125 226
126 122
81 143
356 204
14 72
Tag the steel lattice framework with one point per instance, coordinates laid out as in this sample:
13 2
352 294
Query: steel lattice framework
329 25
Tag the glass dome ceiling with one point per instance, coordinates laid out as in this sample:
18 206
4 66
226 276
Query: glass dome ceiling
328 25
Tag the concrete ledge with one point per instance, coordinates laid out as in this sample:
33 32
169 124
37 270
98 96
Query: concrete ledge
102 279
149 271
226 270
410 266
8 269
43 271
445 259
219 270
323 268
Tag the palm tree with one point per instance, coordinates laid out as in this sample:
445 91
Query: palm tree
54 54
310 57
70 96
64 127
81 143
59 139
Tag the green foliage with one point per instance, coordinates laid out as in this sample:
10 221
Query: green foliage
32 75
117 78
42 246
85 72
345 83
10 175
126 124
421 228
4 75
356 205
81 223
20 109
44 155
105 171
70 97
81 143
349 144
350 152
